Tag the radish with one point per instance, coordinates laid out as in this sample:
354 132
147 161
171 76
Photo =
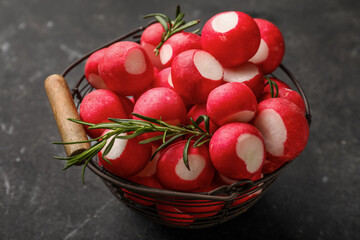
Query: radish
231 37
161 103
150 168
98 106
173 174
284 127
229 181
126 69
237 151
202 208
288 94
231 102
270 167
176 44
163 79
173 215
127 156
128 105
196 111
272 47
138 198
194 74
150 38
91 70
247 73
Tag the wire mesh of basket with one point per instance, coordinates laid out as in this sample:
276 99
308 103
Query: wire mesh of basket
174 208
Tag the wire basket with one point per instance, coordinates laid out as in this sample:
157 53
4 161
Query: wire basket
162 206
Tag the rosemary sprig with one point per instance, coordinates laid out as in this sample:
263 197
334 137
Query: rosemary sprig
131 128
272 85
171 27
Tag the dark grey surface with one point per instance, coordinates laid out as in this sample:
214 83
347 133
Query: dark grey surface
317 197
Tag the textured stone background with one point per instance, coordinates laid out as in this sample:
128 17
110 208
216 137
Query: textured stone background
317 197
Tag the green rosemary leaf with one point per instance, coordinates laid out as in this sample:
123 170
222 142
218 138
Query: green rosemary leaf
196 125
196 31
106 159
178 11
80 122
109 146
206 120
153 120
83 170
164 136
195 145
167 143
163 22
152 139
203 142
187 25
109 125
178 24
186 151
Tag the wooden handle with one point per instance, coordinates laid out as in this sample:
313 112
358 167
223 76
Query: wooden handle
63 107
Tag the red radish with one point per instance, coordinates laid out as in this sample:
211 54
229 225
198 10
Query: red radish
126 69
202 208
231 102
194 74
278 82
98 106
173 174
150 38
139 198
176 44
231 37
161 103
163 79
174 215
127 156
196 111
91 70
272 47
247 73
229 181
150 168
288 94
270 167
128 105
284 127
246 197
237 151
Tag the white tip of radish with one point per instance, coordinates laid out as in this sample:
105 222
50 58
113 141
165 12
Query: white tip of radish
196 163
261 54
242 73
166 53
135 62
242 116
225 22
117 149
96 81
273 129
170 80
251 150
208 66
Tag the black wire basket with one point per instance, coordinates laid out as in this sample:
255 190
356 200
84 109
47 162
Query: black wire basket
160 205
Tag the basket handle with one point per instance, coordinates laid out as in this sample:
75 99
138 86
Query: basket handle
63 107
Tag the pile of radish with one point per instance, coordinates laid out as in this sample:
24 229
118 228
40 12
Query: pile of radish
220 74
